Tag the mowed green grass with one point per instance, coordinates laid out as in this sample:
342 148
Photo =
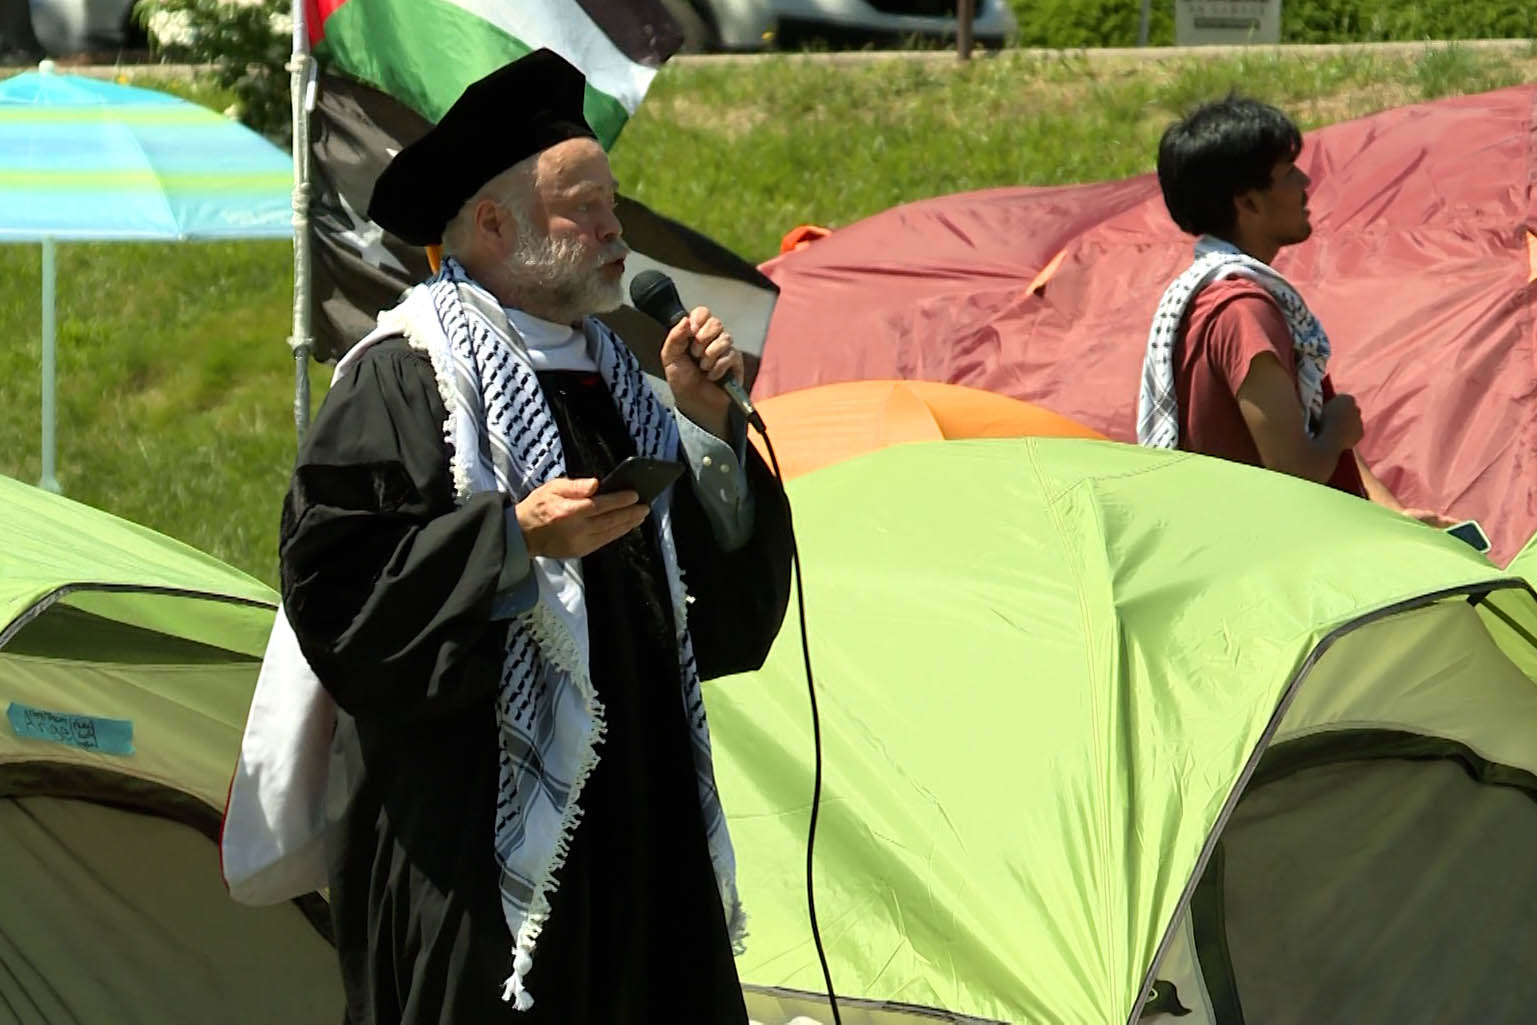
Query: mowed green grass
175 379
175 388
745 154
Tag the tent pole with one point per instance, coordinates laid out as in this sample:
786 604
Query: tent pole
302 95
48 482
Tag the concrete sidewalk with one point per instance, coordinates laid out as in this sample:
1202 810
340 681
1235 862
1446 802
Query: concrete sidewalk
1109 55
1145 53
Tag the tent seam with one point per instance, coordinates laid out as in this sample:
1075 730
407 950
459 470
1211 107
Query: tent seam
1173 458
1529 325
1086 622
47 600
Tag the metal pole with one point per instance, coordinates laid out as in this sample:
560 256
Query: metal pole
48 481
1143 22
965 12
302 96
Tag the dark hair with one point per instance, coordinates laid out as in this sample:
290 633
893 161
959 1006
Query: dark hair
1220 149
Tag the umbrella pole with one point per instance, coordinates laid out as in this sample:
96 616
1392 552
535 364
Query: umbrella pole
49 481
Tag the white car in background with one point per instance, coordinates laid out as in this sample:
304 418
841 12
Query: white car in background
97 26
66 27
761 24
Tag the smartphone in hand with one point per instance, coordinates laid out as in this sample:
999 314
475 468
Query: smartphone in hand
648 478
1471 533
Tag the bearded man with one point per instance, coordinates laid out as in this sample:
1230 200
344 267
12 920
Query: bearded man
532 807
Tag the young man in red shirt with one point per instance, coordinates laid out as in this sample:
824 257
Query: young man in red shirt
1236 364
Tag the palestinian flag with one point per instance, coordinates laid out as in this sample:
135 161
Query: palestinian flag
389 68
424 52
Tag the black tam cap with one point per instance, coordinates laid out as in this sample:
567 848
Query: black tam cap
514 112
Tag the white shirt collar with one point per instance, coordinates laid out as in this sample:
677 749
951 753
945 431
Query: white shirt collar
551 346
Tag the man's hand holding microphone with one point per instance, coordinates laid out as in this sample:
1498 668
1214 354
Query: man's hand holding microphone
567 519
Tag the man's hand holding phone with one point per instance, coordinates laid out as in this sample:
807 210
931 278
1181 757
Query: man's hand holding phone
568 519
648 478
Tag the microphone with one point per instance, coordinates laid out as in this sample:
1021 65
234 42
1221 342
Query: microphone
654 294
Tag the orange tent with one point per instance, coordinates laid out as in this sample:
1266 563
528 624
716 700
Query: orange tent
814 427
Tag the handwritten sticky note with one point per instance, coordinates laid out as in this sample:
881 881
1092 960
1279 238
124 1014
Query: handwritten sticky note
89 732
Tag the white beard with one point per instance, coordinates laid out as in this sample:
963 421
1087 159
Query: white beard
563 278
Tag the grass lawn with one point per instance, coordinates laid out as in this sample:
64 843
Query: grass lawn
175 383
744 156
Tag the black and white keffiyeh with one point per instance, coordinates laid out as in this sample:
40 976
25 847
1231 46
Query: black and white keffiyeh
1157 404
503 438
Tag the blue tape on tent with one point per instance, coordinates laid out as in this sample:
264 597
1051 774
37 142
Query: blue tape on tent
88 732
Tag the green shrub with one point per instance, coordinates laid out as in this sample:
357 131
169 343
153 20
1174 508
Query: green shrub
1085 23
247 42
1330 21
1071 24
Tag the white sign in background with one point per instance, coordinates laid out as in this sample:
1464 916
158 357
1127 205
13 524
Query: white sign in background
1208 22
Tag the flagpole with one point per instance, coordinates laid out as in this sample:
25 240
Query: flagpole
302 95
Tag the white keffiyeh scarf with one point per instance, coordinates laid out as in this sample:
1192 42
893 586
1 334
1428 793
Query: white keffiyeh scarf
1157 404
503 438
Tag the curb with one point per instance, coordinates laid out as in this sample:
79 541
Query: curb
114 70
854 57
1131 53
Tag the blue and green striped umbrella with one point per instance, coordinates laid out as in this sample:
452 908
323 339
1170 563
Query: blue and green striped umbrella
87 160
83 159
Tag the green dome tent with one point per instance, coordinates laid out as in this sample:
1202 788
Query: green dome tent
1115 735
127 662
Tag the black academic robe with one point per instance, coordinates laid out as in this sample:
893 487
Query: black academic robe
389 587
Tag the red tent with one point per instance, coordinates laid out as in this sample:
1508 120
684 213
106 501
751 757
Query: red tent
1421 268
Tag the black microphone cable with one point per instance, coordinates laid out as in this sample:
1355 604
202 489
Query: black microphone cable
654 294
816 731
